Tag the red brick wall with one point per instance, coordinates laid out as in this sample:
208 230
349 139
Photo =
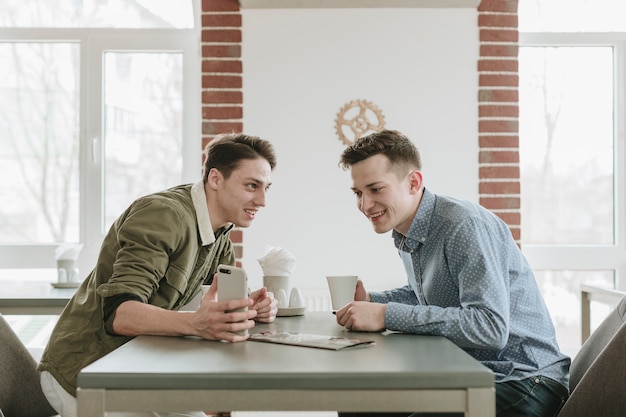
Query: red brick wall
222 97
498 124
498 111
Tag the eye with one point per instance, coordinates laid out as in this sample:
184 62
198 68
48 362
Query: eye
251 186
357 193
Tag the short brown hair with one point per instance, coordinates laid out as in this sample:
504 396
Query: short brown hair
226 151
401 152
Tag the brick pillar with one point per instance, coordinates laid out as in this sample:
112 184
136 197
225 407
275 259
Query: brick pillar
222 96
498 118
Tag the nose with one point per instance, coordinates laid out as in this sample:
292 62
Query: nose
364 203
260 198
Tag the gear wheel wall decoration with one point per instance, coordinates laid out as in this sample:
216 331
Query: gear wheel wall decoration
358 118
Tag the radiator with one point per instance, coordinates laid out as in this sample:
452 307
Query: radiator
316 299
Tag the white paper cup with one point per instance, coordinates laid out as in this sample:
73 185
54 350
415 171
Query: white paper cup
273 283
342 289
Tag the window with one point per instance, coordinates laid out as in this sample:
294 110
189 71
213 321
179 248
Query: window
572 160
99 104
97 14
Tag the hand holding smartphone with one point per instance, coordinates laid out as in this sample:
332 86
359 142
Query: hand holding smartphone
232 284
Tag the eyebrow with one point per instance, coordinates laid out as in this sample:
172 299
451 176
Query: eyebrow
257 181
370 185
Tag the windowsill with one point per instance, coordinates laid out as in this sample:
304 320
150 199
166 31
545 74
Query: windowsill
334 4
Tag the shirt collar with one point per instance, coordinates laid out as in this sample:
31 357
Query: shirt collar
418 232
198 197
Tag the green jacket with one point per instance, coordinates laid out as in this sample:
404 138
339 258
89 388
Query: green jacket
161 249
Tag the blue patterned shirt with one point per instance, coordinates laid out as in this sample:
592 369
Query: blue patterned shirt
468 281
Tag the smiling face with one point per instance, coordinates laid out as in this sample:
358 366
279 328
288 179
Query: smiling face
387 198
239 197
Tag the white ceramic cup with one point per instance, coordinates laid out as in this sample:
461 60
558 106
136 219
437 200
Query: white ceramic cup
342 289
274 283
67 270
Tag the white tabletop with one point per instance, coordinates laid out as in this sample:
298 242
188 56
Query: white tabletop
33 297
400 373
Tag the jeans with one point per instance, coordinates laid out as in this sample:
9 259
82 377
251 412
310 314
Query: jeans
536 396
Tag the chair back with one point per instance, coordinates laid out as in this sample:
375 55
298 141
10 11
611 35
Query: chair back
598 371
20 390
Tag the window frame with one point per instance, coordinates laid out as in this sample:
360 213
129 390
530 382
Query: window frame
591 257
93 43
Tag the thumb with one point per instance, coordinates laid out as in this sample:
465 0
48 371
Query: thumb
211 294
360 294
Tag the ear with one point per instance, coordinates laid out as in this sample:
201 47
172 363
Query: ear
415 181
214 178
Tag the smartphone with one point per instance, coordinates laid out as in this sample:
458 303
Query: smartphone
232 284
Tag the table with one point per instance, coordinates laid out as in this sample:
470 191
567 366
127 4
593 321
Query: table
400 373
28 297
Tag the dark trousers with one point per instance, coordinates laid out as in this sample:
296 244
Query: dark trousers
536 396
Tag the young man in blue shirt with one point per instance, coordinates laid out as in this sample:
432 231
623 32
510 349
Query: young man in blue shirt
467 279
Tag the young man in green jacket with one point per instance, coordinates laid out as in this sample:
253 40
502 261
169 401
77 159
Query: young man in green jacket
154 260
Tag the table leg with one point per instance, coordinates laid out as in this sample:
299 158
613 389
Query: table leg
90 402
481 402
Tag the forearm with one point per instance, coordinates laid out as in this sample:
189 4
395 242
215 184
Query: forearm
469 327
403 295
133 318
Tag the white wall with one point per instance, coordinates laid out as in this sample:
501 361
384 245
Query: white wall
301 66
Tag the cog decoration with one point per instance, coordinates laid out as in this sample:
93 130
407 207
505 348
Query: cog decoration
358 118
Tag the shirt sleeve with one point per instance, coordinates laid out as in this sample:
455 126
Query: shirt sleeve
110 306
403 295
148 236
477 314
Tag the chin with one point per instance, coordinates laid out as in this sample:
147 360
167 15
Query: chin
241 223
381 229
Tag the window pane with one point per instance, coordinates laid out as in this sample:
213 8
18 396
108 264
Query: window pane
143 126
97 13
566 145
561 292
572 16
39 142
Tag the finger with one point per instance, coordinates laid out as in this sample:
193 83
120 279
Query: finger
264 304
258 295
269 311
212 292
234 316
360 294
229 305
349 324
341 314
233 337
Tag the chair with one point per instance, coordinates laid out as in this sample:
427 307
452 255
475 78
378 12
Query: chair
598 372
20 391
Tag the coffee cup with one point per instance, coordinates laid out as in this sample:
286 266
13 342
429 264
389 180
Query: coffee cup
342 289
67 271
